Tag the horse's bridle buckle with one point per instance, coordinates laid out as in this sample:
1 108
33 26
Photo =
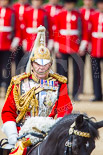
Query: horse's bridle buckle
68 144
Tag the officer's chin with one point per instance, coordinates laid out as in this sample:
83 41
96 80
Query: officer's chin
43 76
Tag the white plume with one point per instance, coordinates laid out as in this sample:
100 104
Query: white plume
40 39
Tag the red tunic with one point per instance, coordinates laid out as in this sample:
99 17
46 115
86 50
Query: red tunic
62 107
33 18
8 29
20 10
52 11
96 20
86 25
67 31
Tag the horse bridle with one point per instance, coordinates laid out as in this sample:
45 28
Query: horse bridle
72 131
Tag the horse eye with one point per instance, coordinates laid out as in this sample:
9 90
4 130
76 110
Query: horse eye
87 144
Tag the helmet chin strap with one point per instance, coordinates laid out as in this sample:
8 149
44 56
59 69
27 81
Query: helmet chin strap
41 73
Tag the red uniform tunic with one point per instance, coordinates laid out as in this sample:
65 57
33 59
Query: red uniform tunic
67 31
96 20
20 10
33 18
62 106
8 25
52 11
86 25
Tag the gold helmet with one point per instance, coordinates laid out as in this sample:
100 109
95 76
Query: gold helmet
40 54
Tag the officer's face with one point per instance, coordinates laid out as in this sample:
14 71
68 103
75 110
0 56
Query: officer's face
4 3
100 6
36 3
69 6
54 1
41 71
88 3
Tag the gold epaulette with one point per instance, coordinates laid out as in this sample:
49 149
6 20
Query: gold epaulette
58 77
16 80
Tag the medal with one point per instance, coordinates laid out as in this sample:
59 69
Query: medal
51 85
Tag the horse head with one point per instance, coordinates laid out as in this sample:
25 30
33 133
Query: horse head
82 135
74 134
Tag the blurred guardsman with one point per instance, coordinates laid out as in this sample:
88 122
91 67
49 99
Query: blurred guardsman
97 49
52 7
20 7
8 42
38 92
67 40
34 16
86 10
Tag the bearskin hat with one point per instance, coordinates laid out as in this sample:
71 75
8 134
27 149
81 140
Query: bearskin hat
31 0
69 1
10 1
97 1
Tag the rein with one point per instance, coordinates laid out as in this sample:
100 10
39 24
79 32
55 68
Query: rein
72 131
41 134
34 147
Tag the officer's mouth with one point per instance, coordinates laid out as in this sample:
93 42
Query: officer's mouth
41 73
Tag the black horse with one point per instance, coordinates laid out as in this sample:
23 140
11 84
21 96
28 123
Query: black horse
73 135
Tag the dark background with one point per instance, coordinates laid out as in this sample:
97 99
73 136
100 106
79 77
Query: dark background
79 2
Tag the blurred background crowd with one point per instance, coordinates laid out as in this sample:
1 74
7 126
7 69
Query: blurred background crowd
74 30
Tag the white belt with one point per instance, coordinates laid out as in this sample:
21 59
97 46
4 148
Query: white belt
31 30
97 34
69 32
6 28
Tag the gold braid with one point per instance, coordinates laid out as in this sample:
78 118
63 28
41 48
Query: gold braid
9 89
23 103
26 107
15 80
58 77
27 101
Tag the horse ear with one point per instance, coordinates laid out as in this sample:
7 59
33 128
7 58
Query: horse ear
79 121
99 124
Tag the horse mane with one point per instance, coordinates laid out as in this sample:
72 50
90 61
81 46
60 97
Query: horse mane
92 127
64 125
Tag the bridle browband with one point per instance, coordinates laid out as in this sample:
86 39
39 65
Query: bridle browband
72 131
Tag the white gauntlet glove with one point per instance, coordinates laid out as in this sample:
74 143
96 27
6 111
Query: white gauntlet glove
83 45
50 44
9 128
56 47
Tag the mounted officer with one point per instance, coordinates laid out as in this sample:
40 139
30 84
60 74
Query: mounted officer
38 92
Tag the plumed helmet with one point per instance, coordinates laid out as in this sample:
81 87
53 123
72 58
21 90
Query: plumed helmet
40 54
